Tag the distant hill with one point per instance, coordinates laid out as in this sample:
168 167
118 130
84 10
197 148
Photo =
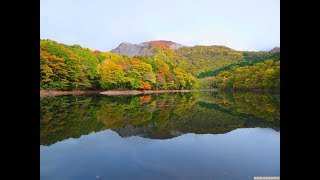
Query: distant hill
141 49
275 49
199 60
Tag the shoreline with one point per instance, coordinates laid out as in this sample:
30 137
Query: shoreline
137 92
51 93
250 90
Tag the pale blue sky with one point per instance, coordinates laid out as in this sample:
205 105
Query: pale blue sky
104 24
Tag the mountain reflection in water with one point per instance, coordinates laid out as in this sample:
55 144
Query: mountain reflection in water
157 116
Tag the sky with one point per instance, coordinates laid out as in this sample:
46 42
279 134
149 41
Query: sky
103 24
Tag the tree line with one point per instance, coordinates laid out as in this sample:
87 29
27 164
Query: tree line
70 67
67 67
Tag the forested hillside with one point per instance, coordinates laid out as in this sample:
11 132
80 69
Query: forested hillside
249 59
162 65
199 59
66 67
262 75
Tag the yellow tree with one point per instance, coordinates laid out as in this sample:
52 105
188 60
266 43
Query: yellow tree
112 75
52 71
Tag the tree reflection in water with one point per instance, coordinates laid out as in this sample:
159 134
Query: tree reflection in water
158 116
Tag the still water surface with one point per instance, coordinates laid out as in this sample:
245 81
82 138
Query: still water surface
198 135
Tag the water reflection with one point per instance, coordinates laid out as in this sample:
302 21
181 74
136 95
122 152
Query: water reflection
156 116
237 155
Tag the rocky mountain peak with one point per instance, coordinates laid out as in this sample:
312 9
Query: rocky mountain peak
275 49
130 49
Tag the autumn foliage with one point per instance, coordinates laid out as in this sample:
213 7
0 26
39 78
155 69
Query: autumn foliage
162 43
145 99
145 86
71 67
262 75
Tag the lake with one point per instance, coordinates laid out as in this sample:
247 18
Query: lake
195 135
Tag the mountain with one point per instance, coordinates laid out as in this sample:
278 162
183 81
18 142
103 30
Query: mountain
130 49
275 49
156 65
198 60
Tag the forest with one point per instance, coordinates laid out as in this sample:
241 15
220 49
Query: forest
66 67
73 67
262 75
